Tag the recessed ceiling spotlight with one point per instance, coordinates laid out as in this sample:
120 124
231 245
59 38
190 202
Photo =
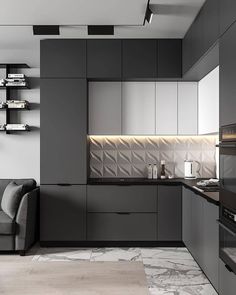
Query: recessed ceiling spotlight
148 14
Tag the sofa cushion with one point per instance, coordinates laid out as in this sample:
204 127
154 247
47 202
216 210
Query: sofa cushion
11 198
28 185
7 224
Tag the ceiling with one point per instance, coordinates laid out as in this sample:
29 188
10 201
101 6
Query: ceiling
172 19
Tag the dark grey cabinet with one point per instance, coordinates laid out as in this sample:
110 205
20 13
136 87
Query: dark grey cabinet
63 137
169 213
169 58
210 13
123 198
64 58
104 59
197 229
202 34
187 217
139 58
227 14
227 280
122 227
227 77
211 242
62 213
201 233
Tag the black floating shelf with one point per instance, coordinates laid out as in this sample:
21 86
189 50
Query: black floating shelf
14 109
15 130
14 66
14 87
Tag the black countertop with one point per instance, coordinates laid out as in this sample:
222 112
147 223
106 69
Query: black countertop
212 197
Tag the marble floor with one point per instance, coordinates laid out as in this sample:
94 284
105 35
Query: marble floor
169 271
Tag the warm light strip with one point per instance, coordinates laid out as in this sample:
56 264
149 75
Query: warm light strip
156 136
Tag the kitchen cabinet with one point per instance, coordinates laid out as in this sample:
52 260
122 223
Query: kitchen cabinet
197 229
187 217
201 233
210 14
104 59
63 136
227 12
166 108
63 58
122 198
169 58
62 213
211 242
138 108
169 206
227 280
208 103
104 108
122 227
227 77
187 108
139 58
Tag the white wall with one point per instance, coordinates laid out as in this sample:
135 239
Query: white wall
20 153
208 103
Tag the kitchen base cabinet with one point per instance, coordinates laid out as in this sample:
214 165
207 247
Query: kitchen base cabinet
62 213
227 280
211 242
201 233
122 227
169 213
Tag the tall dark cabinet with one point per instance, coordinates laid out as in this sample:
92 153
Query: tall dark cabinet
227 77
63 131
64 58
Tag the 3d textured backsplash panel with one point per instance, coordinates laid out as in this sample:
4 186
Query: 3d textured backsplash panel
124 156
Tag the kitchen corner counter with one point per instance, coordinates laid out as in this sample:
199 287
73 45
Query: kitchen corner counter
212 197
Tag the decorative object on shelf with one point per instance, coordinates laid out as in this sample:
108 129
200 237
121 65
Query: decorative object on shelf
13 81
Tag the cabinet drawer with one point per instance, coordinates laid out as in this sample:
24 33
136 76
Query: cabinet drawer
114 198
122 227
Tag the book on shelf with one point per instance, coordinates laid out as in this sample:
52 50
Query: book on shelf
3 105
17 127
16 76
2 126
17 104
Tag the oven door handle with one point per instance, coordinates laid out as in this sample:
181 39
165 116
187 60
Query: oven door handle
226 228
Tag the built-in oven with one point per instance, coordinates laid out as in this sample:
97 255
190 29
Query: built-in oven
227 222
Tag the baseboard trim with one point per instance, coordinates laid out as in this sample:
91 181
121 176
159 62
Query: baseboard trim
112 244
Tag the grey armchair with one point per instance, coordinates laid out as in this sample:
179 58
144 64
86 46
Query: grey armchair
19 233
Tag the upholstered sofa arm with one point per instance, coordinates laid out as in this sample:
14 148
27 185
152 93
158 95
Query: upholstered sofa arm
27 221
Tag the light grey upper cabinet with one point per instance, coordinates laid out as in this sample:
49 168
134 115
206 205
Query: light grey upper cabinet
105 108
187 108
166 108
138 108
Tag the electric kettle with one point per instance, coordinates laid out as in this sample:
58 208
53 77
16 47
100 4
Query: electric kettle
191 169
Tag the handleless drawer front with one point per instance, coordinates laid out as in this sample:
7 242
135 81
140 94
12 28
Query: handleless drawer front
122 227
123 198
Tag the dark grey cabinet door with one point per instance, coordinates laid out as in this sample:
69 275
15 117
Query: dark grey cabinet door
210 23
197 229
65 58
227 14
104 59
169 213
63 136
169 58
211 242
187 217
227 77
62 213
131 198
139 58
227 280
122 227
